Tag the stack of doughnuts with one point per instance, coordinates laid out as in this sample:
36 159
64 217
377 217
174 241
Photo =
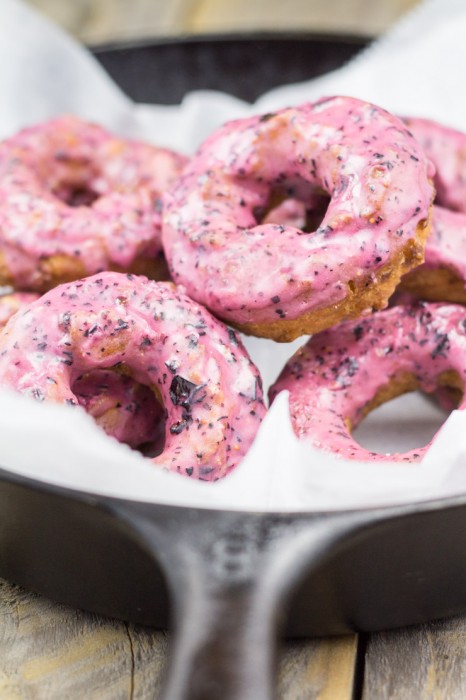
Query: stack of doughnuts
152 367
303 221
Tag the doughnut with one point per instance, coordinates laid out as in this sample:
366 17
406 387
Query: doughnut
197 367
124 409
446 148
75 200
279 281
345 372
12 302
443 276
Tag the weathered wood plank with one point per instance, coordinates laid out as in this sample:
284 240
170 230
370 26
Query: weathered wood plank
50 652
100 21
354 17
319 669
427 662
96 21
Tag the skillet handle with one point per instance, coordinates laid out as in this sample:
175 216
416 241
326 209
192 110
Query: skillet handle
224 643
229 575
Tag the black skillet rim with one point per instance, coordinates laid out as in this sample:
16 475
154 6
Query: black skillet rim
324 52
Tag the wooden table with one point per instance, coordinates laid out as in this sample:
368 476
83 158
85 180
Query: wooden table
97 21
51 652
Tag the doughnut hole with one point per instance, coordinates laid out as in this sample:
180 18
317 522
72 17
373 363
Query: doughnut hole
123 408
76 195
401 417
285 208
74 181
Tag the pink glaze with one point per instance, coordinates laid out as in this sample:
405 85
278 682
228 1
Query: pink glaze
11 303
446 245
209 387
446 148
339 371
364 158
70 188
126 410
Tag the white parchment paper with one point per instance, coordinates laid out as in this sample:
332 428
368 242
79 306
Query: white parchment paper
414 70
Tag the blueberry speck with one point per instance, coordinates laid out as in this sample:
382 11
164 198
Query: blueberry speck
204 471
442 347
177 427
184 393
358 332
91 330
193 340
257 388
352 366
232 336
121 325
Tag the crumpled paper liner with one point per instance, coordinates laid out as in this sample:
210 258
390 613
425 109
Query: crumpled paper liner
413 70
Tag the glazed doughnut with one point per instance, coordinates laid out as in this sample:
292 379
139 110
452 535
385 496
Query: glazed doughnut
446 148
11 303
279 281
75 200
443 276
124 409
342 374
209 388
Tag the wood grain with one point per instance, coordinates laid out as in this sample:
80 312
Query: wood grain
101 21
364 17
50 652
319 669
427 662
96 21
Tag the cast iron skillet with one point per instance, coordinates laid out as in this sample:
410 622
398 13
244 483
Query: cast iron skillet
228 582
